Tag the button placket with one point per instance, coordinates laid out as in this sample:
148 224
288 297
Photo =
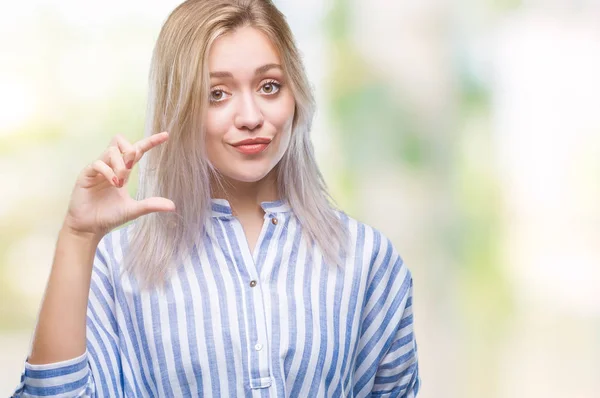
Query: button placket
259 371
259 363
258 347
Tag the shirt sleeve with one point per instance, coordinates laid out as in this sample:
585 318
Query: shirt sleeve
96 372
386 362
66 378
398 372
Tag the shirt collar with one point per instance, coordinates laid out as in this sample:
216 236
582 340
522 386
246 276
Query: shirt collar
221 207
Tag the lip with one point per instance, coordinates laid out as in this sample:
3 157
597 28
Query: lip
253 141
252 146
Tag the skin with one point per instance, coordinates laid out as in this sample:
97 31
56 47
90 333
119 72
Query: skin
249 98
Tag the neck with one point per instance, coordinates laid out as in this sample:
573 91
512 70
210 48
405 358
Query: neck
245 197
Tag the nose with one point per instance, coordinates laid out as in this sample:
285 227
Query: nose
248 115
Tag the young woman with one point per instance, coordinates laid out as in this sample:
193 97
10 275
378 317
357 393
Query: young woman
241 279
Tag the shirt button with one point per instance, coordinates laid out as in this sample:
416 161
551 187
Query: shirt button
258 347
274 220
252 283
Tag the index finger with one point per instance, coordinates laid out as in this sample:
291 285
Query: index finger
144 145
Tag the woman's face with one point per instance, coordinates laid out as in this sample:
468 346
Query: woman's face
249 118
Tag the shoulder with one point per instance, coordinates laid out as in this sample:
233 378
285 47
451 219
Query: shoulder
112 246
108 262
377 250
385 279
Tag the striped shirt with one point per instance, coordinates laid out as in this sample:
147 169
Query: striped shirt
275 322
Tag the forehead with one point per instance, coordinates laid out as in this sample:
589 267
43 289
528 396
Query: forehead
242 51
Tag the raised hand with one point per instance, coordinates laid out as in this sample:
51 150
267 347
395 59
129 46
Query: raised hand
100 200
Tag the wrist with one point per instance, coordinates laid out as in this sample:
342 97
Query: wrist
82 237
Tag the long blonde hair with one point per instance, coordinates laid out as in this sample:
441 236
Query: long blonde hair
180 170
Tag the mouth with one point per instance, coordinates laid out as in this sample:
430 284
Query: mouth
252 146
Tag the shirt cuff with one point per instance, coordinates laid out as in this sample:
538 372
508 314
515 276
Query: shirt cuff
57 378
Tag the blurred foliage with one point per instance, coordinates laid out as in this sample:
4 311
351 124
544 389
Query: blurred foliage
364 106
374 128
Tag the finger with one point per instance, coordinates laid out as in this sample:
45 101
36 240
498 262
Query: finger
101 168
151 205
118 164
126 148
144 145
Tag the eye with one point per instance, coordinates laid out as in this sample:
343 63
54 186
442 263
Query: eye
217 95
270 87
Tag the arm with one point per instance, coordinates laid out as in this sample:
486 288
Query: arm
60 332
386 363
58 361
77 314
398 372
95 371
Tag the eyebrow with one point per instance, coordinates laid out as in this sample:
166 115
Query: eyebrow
258 71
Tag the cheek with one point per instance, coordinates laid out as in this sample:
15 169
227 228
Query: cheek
281 114
216 126
217 122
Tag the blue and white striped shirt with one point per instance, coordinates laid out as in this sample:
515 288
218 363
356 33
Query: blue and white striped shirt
277 322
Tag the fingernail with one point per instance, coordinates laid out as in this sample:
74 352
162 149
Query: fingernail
121 182
129 164
115 181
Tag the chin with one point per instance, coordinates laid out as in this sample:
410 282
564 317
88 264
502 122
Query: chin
247 175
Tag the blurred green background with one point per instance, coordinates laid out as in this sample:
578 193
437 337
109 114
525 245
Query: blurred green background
468 132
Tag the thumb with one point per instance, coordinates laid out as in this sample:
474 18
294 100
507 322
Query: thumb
151 205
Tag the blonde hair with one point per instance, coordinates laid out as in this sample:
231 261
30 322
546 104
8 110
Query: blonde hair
180 170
